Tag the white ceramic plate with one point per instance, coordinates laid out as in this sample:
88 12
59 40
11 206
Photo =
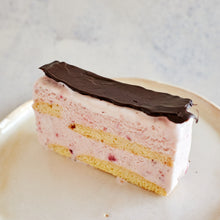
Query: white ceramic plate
39 184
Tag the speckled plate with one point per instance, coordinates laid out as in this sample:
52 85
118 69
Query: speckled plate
39 184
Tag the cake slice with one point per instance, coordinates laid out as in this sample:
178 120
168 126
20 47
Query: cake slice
139 135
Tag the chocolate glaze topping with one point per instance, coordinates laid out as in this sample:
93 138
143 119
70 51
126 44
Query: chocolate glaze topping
122 94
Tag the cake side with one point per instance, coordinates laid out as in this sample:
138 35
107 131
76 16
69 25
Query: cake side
76 146
128 133
181 161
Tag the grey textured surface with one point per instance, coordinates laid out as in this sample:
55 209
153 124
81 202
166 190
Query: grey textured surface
175 42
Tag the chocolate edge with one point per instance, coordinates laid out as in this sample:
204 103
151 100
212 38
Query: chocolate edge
176 117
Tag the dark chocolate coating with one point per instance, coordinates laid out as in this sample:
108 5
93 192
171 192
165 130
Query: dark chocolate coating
122 94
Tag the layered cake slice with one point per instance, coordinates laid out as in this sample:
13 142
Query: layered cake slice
139 135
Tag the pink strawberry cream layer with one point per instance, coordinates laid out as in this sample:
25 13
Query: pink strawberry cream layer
157 133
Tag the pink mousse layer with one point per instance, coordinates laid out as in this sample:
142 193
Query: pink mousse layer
51 130
157 133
